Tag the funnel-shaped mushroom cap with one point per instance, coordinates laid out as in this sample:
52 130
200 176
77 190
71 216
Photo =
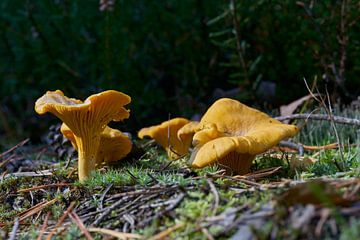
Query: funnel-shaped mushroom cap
114 145
165 134
233 134
85 119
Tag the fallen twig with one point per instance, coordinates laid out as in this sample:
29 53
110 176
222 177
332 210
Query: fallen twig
35 209
107 210
14 229
43 227
260 174
119 235
14 147
43 186
167 232
216 195
61 220
75 218
28 174
336 119
167 209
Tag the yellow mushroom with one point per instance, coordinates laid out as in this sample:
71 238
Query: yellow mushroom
232 134
114 145
165 134
86 120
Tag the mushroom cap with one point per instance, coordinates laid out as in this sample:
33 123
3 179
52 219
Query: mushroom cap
114 145
230 127
86 120
165 134
97 110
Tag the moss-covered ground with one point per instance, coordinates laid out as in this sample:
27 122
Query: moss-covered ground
286 196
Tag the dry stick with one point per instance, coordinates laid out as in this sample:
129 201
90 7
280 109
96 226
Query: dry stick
167 232
9 159
167 209
325 117
112 207
103 196
75 218
14 147
38 207
216 195
119 235
27 174
207 234
292 145
43 227
323 147
43 186
61 220
14 229
260 174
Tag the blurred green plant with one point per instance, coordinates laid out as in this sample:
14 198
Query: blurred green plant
155 52
283 41
169 55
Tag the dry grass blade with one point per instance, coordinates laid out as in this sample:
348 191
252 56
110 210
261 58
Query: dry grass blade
43 227
167 232
238 178
207 234
14 229
28 174
61 220
75 218
261 173
216 195
324 147
43 186
35 209
14 147
324 117
119 235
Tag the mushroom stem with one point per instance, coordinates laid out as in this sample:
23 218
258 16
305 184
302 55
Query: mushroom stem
87 156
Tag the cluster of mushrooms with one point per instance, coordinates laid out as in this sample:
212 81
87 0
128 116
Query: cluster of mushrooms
229 133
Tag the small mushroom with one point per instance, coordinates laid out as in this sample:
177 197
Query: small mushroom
165 134
232 134
87 120
114 145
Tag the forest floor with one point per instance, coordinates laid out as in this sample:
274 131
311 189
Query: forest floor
286 196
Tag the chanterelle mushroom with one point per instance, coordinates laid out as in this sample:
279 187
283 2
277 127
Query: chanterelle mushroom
87 120
232 134
165 134
114 145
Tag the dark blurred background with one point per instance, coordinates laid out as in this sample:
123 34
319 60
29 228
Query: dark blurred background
173 57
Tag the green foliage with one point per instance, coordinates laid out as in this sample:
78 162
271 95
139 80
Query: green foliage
155 52
283 41
168 56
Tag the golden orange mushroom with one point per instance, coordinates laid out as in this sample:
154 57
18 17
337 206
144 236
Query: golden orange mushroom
87 120
232 134
165 134
114 145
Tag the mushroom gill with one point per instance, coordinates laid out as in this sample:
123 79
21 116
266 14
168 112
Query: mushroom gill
114 145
